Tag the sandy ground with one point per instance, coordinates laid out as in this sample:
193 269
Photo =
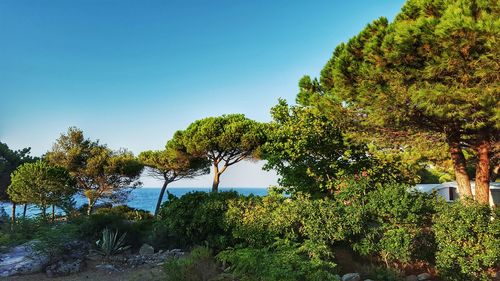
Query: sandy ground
142 273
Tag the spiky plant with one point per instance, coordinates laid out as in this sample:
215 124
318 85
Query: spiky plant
110 244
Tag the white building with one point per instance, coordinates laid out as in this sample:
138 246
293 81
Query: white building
449 191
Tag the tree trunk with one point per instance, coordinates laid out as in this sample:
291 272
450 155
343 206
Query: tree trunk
24 210
483 172
90 207
215 184
13 218
53 213
460 168
160 197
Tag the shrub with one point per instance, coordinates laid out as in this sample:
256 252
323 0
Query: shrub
54 238
199 265
198 217
285 260
91 227
126 212
396 225
468 238
110 244
258 221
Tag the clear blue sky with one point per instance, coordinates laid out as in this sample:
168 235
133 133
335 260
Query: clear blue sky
131 73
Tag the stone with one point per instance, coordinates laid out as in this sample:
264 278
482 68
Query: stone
22 259
424 276
107 267
146 250
64 268
351 277
411 278
368 280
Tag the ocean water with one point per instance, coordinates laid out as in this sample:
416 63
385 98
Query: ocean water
144 198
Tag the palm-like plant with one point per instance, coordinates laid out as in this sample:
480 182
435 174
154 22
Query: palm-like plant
110 244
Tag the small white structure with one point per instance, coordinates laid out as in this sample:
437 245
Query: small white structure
449 191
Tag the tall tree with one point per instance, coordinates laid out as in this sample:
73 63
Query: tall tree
224 140
173 164
434 70
9 161
42 185
311 153
100 173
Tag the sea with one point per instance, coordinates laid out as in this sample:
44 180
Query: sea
143 198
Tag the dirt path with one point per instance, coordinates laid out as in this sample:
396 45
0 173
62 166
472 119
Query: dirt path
142 273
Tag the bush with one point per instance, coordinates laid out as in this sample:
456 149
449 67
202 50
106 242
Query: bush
468 238
90 228
126 212
397 225
284 260
197 218
54 238
258 221
23 230
199 265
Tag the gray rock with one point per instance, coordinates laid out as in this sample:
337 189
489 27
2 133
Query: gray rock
22 259
368 280
424 276
64 268
146 250
411 278
107 267
351 277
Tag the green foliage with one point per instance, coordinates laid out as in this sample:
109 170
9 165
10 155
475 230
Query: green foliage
100 172
110 244
91 227
173 164
198 217
9 161
397 222
52 239
224 140
126 212
468 238
23 230
309 151
199 265
258 221
40 184
284 260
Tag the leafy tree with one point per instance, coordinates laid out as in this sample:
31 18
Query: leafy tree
224 140
100 173
172 164
310 152
41 184
434 70
9 161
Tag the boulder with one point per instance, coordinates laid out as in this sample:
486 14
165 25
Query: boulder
64 268
146 250
351 277
22 259
411 278
424 276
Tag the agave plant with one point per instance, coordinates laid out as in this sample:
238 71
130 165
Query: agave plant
110 244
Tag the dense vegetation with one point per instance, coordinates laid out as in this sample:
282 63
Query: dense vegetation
412 100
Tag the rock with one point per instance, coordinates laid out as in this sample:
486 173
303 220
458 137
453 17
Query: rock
22 259
368 280
351 277
146 250
107 267
424 276
411 278
64 268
